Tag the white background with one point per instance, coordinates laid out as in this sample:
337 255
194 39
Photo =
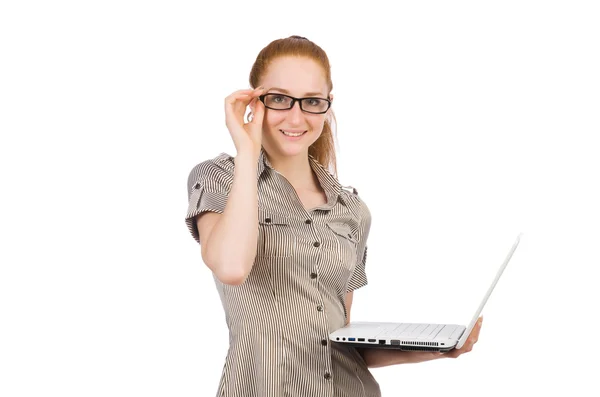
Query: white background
460 123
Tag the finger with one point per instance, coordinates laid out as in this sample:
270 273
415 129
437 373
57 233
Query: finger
241 99
470 346
237 97
259 111
243 93
236 106
236 94
251 94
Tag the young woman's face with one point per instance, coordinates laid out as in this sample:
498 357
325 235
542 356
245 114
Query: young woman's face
299 78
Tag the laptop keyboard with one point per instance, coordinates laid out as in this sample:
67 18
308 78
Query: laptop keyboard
410 331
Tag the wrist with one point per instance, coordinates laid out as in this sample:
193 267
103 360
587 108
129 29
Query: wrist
247 156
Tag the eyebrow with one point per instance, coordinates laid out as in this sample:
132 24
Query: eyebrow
287 92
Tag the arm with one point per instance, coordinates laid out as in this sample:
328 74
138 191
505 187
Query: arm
228 240
376 358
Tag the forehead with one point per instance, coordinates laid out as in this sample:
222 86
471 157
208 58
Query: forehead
296 75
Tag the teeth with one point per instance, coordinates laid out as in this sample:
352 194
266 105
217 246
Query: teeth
291 134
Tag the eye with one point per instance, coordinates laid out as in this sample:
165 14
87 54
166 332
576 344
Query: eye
279 99
315 103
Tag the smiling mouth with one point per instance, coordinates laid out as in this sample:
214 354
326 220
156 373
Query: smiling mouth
292 134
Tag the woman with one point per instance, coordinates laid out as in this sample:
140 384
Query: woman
286 243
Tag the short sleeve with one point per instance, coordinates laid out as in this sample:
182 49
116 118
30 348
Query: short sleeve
208 187
359 276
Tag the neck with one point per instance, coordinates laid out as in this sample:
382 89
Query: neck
296 169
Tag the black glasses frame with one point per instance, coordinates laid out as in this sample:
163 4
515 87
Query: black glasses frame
294 100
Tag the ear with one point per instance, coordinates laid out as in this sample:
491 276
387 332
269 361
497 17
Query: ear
329 110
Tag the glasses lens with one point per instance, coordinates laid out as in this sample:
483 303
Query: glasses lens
275 101
314 105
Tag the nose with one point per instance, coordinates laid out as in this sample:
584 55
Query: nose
295 113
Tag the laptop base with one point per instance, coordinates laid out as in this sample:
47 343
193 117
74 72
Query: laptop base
399 347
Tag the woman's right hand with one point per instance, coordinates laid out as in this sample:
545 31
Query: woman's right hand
247 137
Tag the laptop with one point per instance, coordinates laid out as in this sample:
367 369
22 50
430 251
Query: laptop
412 336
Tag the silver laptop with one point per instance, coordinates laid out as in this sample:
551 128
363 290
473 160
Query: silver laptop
420 337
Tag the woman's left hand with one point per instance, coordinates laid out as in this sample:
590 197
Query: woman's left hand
384 357
416 357
468 346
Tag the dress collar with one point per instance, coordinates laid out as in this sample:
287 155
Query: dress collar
328 181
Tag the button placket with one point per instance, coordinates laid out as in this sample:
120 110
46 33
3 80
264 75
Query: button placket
320 308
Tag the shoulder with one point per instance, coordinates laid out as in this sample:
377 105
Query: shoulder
355 203
223 162
218 169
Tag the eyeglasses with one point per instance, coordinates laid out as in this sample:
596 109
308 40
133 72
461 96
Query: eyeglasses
285 102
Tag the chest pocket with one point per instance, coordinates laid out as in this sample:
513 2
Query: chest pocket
276 237
345 243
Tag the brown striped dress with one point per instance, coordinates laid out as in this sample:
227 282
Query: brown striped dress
280 317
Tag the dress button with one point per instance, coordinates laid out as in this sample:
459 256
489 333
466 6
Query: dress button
327 375
316 243
308 221
324 342
268 220
320 308
313 275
